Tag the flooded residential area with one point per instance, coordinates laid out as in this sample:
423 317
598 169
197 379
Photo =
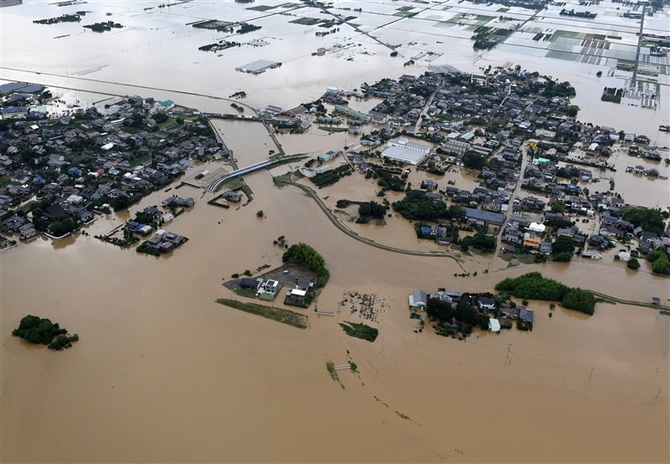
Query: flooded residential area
178 184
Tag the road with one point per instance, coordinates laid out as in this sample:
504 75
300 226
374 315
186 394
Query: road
510 204
417 126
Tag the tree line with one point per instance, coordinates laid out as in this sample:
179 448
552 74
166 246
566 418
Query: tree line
534 286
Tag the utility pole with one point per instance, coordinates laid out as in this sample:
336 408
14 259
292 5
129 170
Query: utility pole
591 374
639 46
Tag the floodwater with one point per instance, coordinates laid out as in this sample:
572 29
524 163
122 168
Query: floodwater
164 374
249 141
175 377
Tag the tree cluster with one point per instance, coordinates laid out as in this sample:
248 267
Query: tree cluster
660 264
534 286
36 330
415 206
464 317
372 209
473 160
647 218
563 248
305 256
480 241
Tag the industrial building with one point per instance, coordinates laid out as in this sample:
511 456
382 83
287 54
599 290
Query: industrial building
405 151
258 66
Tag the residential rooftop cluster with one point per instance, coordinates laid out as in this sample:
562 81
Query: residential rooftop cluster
494 124
455 313
56 170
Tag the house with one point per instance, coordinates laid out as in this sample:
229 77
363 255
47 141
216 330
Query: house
486 303
232 196
418 299
532 242
271 287
428 184
152 212
526 314
251 284
303 283
177 201
510 312
296 297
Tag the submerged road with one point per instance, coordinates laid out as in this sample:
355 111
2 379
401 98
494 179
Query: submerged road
336 222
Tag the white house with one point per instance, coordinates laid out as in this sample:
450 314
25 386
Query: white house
271 286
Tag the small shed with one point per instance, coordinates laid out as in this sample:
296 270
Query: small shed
494 325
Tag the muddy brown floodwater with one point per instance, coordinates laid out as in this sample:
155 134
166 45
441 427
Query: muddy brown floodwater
164 374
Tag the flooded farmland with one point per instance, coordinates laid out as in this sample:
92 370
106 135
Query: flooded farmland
164 374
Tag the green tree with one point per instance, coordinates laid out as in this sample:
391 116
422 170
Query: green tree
62 226
562 244
473 160
563 256
557 206
37 330
661 266
305 256
455 212
466 313
655 254
415 206
480 241
439 309
533 286
579 300
633 264
647 218
371 209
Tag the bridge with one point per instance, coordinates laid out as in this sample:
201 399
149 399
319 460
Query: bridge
212 186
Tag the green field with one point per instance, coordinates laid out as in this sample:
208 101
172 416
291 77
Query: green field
276 314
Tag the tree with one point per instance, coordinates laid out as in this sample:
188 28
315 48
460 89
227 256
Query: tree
306 256
661 266
533 286
455 212
62 226
466 313
557 206
563 256
579 300
633 264
562 244
37 330
372 209
647 218
260 213
439 309
416 206
473 160
160 117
